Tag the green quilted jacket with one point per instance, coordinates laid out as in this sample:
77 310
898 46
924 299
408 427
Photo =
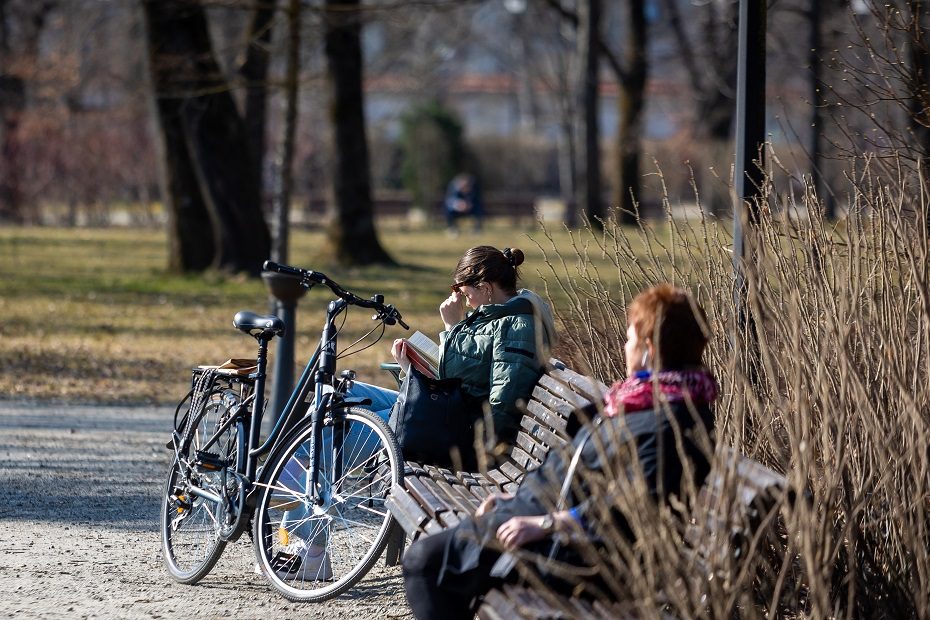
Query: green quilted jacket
498 351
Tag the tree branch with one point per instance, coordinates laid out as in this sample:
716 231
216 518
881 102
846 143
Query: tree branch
572 18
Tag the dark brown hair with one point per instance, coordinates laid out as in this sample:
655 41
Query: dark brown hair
488 264
674 321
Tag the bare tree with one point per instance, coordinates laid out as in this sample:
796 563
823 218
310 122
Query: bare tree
588 166
918 43
352 238
709 60
215 217
710 64
882 104
817 101
631 78
21 24
254 72
631 72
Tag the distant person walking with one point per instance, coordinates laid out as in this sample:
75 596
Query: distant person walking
463 199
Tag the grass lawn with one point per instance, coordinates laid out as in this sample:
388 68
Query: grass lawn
90 315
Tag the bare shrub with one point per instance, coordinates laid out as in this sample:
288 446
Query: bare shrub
837 398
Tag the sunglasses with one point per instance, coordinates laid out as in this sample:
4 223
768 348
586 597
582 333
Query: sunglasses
457 287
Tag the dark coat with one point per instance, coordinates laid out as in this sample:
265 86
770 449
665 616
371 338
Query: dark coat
653 436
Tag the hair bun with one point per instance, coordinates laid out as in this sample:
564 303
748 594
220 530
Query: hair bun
514 256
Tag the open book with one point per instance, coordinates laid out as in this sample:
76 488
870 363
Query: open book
423 354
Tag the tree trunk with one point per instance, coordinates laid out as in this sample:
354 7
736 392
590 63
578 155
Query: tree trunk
352 238
207 176
920 82
12 104
588 167
282 198
711 69
13 95
630 100
817 102
920 92
255 73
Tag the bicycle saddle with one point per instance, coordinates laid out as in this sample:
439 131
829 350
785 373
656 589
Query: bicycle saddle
249 322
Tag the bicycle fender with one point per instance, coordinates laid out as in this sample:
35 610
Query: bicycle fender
352 402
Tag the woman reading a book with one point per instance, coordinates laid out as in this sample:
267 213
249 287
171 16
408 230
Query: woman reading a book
497 350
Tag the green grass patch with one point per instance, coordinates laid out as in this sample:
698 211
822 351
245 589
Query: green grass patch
92 315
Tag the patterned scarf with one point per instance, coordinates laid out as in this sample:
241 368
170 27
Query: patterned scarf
636 392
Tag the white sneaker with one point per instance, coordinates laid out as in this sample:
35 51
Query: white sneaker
299 561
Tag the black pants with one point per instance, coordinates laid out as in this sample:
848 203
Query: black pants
458 595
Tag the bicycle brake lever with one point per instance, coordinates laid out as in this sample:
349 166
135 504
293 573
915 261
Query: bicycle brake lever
392 316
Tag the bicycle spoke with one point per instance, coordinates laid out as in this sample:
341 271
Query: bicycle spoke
191 525
338 539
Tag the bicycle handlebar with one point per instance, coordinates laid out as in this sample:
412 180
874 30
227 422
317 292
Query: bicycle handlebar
308 278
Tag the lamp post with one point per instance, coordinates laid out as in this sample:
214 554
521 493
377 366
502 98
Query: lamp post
750 140
285 291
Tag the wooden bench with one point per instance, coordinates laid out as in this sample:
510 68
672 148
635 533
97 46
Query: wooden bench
431 499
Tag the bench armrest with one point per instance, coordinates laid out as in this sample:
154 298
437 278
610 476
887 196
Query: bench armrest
393 368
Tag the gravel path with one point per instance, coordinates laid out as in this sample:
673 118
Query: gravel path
79 531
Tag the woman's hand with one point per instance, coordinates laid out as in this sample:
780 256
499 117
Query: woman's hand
452 310
490 502
518 531
397 350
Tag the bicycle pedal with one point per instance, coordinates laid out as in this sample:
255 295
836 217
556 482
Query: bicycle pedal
180 502
207 461
285 562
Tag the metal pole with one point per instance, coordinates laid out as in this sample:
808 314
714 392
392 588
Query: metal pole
285 291
286 302
750 139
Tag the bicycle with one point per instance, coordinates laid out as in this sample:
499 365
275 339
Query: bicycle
316 503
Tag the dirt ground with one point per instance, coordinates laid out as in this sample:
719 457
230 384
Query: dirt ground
79 533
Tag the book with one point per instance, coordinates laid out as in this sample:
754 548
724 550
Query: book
423 353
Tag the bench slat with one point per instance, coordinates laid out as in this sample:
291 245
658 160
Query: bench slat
454 497
449 520
584 386
551 402
475 490
405 509
499 478
544 435
523 460
512 471
563 391
424 496
532 446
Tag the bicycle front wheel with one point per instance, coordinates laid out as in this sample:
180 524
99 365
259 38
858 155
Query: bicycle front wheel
315 548
191 523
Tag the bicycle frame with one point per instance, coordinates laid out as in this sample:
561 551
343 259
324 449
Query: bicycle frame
317 375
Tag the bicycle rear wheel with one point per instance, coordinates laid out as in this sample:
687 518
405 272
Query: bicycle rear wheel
191 524
314 551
